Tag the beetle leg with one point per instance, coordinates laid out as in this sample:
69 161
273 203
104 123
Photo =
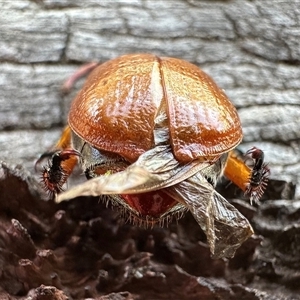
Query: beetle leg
252 181
59 168
237 171
81 72
62 160
64 142
258 179
65 139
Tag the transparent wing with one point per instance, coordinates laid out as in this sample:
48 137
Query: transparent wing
225 227
155 169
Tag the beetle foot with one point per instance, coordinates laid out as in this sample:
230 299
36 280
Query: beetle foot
258 179
56 173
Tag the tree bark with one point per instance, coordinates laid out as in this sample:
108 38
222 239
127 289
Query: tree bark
250 48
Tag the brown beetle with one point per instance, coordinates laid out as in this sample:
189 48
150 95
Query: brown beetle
155 133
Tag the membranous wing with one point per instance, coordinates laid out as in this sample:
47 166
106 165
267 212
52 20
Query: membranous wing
225 227
155 169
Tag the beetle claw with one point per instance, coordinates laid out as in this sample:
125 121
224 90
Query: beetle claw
46 155
54 174
258 179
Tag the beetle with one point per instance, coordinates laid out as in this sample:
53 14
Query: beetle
155 133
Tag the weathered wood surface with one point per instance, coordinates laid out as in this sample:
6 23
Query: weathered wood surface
251 48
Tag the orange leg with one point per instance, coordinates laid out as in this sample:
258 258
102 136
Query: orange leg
253 181
64 140
64 143
62 162
236 171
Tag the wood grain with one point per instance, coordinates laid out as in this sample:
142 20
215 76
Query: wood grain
251 49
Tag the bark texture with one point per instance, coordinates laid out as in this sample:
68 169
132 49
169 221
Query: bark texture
251 49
